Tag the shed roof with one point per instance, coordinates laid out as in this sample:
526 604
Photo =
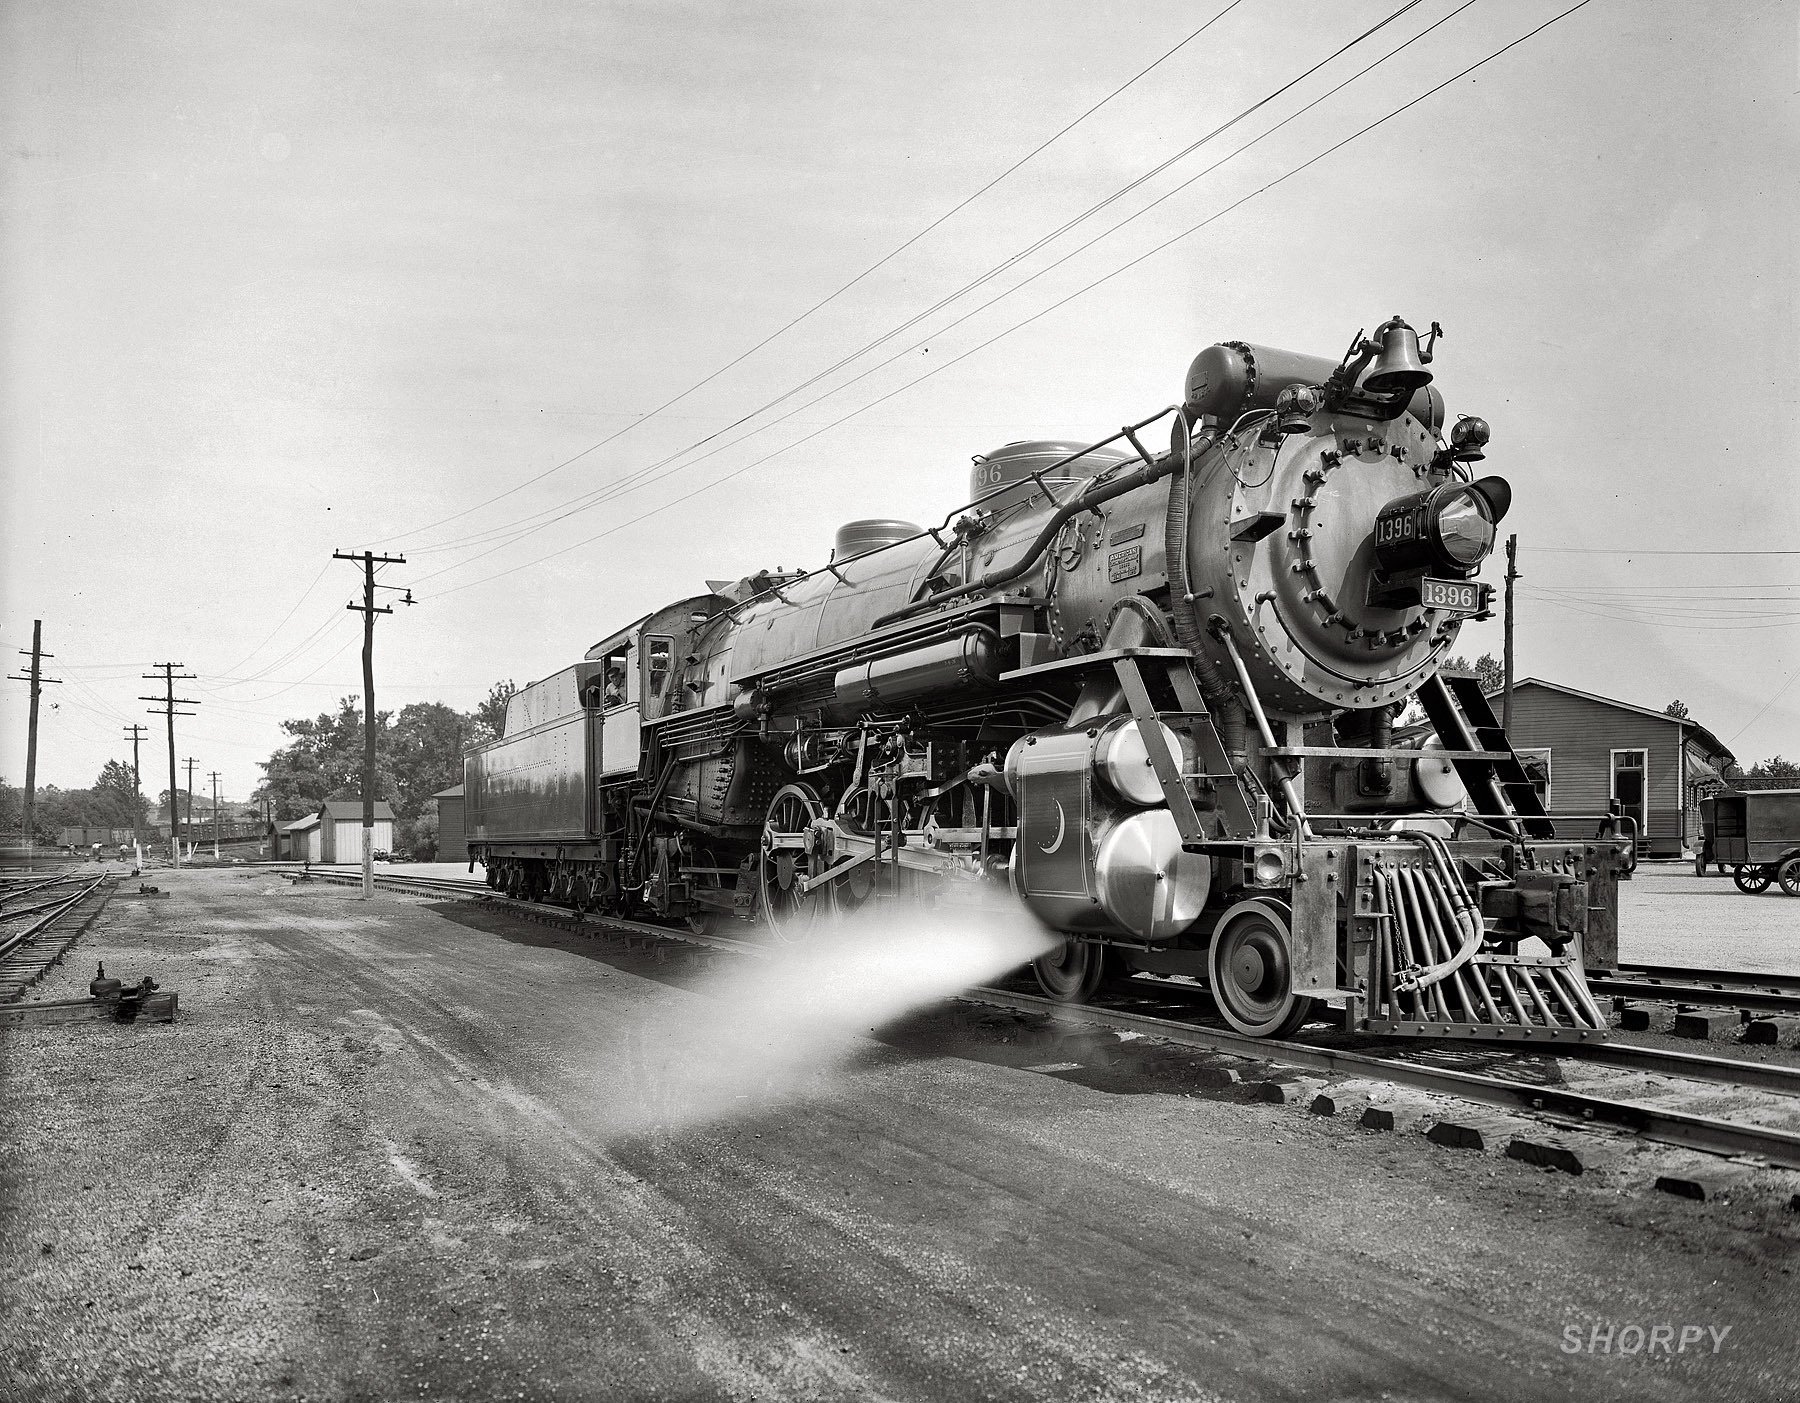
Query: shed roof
455 791
310 821
352 808
1707 739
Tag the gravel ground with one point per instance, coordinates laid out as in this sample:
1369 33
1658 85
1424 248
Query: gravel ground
1668 916
400 1150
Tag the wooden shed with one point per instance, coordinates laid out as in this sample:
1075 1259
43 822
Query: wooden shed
1593 750
453 837
340 829
299 841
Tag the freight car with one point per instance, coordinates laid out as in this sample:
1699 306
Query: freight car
1148 693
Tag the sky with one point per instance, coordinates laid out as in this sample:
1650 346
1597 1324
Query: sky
278 280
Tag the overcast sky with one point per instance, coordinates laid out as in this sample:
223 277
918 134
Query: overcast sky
279 279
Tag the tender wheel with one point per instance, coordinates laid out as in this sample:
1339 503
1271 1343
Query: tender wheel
1789 876
1252 976
788 855
1750 880
1073 972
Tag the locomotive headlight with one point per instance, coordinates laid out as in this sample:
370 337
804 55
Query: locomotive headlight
1451 527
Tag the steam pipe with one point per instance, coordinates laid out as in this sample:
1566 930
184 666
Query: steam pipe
1095 496
1296 810
1228 716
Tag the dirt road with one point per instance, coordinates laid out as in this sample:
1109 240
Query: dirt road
400 1151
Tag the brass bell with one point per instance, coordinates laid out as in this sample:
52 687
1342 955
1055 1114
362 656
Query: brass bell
1398 368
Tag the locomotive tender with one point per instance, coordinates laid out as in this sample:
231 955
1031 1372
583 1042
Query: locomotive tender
1149 694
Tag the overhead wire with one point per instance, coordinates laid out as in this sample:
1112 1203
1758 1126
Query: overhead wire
826 301
1079 292
548 516
618 489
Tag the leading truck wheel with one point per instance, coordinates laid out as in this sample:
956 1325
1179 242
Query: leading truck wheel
1750 880
1072 973
1252 975
1789 876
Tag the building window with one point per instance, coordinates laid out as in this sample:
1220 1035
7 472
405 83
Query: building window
1536 760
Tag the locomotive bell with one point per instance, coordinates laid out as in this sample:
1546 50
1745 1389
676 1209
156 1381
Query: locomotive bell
1398 366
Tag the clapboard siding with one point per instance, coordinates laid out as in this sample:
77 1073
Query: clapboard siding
1581 735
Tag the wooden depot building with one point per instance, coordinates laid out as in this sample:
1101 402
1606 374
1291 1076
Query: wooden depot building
1587 751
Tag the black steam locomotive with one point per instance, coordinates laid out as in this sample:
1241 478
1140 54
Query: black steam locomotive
1148 692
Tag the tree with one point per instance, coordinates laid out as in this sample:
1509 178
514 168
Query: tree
490 714
427 742
116 791
323 761
1488 669
1677 709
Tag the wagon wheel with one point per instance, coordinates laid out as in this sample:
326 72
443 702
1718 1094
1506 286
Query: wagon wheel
1750 880
788 854
1789 876
1252 975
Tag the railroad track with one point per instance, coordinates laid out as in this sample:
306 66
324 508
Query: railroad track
35 936
1177 1018
1722 988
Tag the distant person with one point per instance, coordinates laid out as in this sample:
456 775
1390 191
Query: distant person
96 852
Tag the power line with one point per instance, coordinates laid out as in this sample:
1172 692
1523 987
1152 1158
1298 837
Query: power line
832 297
1621 550
1037 316
635 479
521 526
1779 693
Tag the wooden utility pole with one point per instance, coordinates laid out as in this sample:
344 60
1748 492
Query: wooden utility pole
369 610
137 734
1512 573
37 680
189 825
214 777
169 702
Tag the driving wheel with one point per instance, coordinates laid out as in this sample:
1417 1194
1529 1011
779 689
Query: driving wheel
788 855
1750 880
1252 974
1789 876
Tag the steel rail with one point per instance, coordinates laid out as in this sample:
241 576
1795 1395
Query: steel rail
1681 1128
12 942
1697 994
1673 1127
1726 1071
19 891
1717 978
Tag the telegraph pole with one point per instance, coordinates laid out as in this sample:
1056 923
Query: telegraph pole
1512 573
137 734
214 777
189 825
168 709
369 610
37 680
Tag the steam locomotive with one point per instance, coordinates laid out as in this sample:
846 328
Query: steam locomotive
1151 694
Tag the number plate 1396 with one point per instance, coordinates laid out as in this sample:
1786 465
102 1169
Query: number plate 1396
1452 596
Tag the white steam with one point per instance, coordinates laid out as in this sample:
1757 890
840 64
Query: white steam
757 1032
